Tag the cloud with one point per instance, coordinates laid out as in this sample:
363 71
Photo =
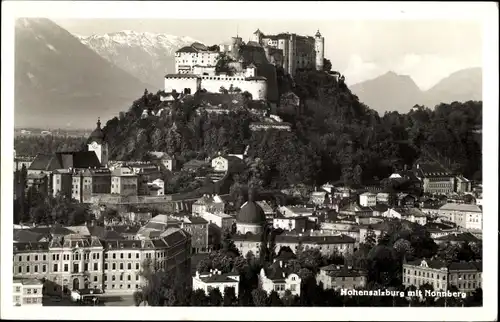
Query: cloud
358 70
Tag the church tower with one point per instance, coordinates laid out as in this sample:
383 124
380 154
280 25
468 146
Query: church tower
319 48
97 143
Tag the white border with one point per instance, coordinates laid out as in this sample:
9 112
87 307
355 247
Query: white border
484 12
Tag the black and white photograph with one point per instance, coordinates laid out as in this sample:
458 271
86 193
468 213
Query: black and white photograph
254 155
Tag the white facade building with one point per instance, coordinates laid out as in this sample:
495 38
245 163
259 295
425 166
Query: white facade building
463 215
215 279
279 278
368 199
27 292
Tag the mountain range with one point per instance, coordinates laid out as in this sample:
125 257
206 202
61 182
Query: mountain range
393 92
60 82
65 80
148 56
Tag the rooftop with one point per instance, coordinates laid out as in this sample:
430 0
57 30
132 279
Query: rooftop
461 207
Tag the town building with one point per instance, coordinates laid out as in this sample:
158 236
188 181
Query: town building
341 277
435 179
124 182
250 218
215 279
463 215
383 198
466 276
280 278
263 126
208 203
326 244
456 238
291 223
27 291
73 261
367 199
463 185
197 227
227 163
166 160
97 143
38 182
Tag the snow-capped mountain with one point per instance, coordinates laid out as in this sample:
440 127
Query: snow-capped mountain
60 81
148 56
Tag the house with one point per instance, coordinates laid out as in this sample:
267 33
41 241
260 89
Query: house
280 278
413 214
406 200
383 198
341 277
466 276
166 160
299 223
228 163
208 203
124 182
197 227
157 187
464 215
27 291
319 198
437 229
216 280
368 199
47 163
463 185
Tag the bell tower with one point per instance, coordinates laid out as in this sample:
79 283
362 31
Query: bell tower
97 143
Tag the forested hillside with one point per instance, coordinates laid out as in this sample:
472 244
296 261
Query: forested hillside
334 135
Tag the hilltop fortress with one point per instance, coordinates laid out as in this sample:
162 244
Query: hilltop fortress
250 64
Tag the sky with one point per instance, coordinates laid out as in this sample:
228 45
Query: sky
426 50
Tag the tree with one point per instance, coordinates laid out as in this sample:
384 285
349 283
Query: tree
327 65
228 245
215 297
259 297
371 238
137 298
199 298
230 296
274 299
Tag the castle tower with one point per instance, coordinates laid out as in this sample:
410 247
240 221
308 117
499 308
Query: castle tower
235 48
292 49
319 48
96 142
257 36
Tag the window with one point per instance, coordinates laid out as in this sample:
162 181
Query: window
20 269
35 291
27 269
36 258
55 268
137 277
114 266
96 266
18 289
28 258
121 277
293 287
121 255
105 266
28 291
129 266
137 255
129 277
113 277
95 278
129 255
121 265
114 256
35 269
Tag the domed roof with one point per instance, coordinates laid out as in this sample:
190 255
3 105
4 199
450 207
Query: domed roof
251 213
97 135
